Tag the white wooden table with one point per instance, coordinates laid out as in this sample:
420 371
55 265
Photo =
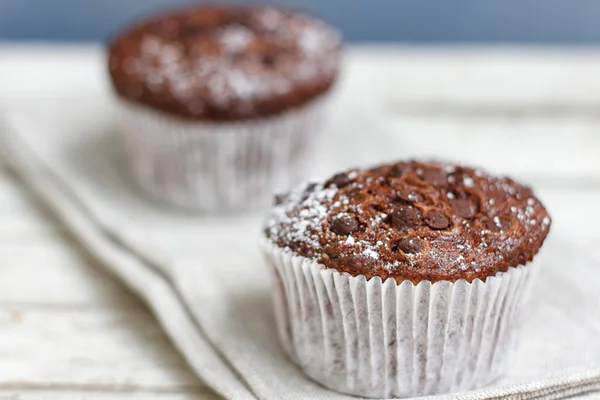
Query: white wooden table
68 331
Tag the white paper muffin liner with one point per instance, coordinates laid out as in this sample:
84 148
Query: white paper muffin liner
218 166
382 339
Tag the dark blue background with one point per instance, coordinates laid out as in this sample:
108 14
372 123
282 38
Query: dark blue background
531 21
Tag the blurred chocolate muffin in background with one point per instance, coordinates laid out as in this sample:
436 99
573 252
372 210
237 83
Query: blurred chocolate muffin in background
221 104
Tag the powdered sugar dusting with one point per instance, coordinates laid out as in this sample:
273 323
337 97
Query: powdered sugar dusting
370 253
312 215
235 38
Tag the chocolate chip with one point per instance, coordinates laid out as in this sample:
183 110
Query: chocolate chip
310 187
396 171
497 224
280 199
409 195
378 208
340 180
436 177
343 224
491 225
463 208
404 217
410 245
437 220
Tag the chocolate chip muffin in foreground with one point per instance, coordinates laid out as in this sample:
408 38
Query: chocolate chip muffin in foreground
405 279
221 103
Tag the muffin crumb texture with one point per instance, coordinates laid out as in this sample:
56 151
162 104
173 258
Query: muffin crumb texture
412 221
225 62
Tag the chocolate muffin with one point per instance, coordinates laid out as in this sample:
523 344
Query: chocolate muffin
228 97
410 275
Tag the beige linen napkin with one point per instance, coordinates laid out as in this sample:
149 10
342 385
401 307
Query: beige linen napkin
205 280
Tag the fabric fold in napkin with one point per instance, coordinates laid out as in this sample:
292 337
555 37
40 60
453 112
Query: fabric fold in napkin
204 279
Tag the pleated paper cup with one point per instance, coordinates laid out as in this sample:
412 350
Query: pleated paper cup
218 166
382 339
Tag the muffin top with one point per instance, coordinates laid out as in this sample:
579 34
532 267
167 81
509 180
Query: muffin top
412 221
221 63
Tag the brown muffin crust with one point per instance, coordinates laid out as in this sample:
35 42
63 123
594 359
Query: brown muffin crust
412 221
221 63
